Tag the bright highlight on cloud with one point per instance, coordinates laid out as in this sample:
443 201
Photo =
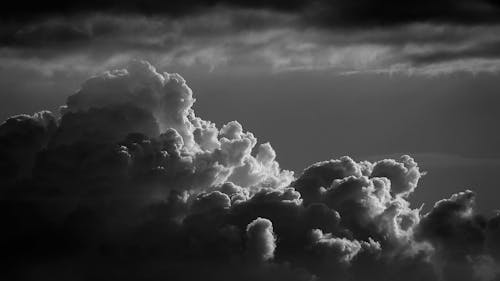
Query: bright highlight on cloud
130 184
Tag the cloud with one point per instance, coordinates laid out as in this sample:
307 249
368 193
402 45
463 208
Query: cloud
130 183
21 137
343 13
459 235
341 249
243 38
485 268
107 124
261 241
166 96
404 175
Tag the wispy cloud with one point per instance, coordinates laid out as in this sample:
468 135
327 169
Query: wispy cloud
229 40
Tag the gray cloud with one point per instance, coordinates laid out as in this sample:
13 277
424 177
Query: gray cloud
238 39
21 137
327 13
261 241
129 183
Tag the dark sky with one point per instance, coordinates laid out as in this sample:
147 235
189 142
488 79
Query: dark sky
319 80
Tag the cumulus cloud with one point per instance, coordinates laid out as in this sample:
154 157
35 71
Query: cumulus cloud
165 96
21 137
341 249
261 241
130 183
403 175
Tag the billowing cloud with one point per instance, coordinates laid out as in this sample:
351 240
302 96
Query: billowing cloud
340 249
261 241
129 183
21 137
403 175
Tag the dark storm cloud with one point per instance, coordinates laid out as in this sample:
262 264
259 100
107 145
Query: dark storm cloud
334 13
428 37
460 235
129 183
387 12
21 137
341 36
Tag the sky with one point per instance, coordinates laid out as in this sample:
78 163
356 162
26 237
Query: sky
318 80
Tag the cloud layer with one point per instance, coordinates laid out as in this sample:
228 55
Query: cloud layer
385 37
339 12
129 183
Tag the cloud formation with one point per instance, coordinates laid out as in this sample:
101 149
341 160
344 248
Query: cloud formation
261 242
130 183
340 12
391 37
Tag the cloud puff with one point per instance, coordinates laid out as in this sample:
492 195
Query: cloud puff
261 241
460 236
129 183
342 249
166 96
404 175
21 137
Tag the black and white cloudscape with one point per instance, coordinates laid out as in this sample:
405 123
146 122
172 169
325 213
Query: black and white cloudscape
128 183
